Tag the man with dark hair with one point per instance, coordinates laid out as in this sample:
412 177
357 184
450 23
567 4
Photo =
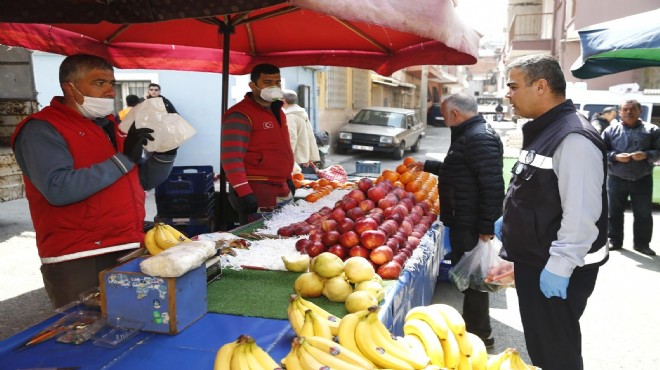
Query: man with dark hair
471 189
131 101
602 120
84 180
154 92
555 212
632 147
256 152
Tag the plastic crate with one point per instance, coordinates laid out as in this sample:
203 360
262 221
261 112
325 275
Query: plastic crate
187 180
191 226
367 167
202 205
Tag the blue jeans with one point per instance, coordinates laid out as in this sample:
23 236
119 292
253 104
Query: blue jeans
641 198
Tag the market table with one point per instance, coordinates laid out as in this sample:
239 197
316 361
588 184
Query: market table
196 346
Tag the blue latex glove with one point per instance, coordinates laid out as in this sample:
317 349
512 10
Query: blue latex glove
498 228
553 285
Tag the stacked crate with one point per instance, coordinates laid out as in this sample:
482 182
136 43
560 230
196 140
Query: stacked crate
186 200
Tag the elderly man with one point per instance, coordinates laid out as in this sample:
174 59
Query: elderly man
301 133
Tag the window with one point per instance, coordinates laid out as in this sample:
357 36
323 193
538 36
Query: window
336 88
361 79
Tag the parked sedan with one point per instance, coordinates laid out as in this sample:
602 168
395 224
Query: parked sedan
382 129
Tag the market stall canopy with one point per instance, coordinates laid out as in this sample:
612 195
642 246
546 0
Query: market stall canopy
619 45
380 35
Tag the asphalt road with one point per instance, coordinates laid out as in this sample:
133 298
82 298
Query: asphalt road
618 327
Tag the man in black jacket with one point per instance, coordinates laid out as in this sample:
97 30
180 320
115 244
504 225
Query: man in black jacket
471 190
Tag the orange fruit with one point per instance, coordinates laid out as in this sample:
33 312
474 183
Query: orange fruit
323 182
399 184
402 168
408 160
335 184
406 177
298 176
414 186
390 175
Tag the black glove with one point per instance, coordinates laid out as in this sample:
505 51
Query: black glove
248 204
292 187
135 140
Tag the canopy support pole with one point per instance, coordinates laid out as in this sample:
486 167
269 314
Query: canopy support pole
227 30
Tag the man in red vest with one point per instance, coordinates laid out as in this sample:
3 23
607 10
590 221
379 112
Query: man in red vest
256 152
84 179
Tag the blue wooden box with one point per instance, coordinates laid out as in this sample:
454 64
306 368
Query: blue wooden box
164 305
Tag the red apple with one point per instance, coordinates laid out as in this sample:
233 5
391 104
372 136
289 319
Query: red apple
365 184
367 205
325 211
349 239
338 214
314 217
330 238
348 204
357 194
376 193
371 239
387 201
409 203
401 209
400 258
378 217
381 255
417 209
396 218
329 225
406 227
389 226
315 237
391 270
413 242
345 225
355 213
417 234
393 244
315 248
424 206
365 224
399 192
285 231
302 244
302 229
359 251
338 251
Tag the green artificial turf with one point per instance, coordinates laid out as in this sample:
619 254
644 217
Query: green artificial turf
262 293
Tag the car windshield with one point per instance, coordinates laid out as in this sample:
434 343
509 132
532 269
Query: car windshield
379 118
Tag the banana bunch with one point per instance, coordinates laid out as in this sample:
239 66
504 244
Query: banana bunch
162 236
244 354
364 333
316 322
509 359
322 353
439 330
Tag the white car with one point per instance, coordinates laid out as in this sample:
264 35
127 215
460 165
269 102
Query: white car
382 129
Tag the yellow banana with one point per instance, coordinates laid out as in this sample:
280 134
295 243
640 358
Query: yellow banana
239 359
164 237
514 362
307 329
296 318
495 361
321 327
346 335
333 321
464 344
431 341
150 242
326 358
464 363
451 350
307 361
339 351
398 347
452 317
263 358
251 360
291 361
417 348
479 356
224 355
365 339
178 235
432 317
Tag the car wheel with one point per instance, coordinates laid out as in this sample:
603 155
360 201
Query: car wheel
400 151
415 148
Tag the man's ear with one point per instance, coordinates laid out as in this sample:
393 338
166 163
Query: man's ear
542 87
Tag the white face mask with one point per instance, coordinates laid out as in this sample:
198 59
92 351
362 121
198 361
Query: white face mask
272 93
95 107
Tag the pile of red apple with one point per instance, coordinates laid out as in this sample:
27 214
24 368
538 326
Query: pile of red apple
380 222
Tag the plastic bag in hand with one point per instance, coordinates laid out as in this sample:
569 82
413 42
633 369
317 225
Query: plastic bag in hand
483 269
170 129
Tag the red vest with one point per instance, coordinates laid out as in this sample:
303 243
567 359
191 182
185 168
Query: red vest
111 217
269 155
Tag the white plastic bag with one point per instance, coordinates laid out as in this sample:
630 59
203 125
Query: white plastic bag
483 269
179 259
170 129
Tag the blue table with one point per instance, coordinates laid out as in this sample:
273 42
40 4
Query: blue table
196 346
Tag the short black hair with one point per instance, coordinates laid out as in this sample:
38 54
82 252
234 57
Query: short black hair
132 100
263 69
154 85
74 66
541 66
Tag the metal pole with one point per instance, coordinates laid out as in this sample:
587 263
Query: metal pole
227 30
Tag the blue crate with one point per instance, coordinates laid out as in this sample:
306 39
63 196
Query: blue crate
191 226
363 167
187 180
443 274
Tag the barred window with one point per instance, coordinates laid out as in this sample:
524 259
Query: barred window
336 88
361 86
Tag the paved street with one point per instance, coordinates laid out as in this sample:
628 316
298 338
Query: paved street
619 325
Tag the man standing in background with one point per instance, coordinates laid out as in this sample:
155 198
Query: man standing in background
632 147
301 133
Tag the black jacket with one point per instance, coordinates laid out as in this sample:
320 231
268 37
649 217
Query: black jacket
168 105
470 183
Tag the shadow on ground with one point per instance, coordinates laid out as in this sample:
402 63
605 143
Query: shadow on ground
23 311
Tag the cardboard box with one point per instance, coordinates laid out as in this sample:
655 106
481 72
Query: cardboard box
164 305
